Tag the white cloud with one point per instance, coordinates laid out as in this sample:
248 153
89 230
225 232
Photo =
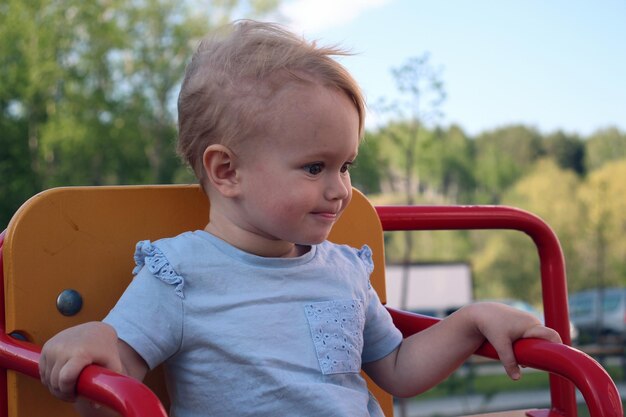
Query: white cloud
310 16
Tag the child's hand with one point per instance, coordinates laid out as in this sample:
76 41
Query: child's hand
502 325
65 355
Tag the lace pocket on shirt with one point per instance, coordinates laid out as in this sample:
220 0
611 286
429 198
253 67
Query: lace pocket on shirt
337 330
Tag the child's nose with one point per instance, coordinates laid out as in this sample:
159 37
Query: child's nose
338 187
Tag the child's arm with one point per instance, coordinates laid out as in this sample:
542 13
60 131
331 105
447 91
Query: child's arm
65 355
428 357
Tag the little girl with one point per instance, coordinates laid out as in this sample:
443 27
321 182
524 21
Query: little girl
258 314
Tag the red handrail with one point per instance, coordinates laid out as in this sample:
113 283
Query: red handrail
553 281
595 384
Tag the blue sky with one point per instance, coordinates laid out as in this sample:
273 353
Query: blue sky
550 64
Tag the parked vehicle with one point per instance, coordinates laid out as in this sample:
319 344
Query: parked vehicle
599 313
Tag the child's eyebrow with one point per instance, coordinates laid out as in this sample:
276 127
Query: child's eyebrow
322 156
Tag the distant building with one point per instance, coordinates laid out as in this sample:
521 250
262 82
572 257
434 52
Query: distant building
432 288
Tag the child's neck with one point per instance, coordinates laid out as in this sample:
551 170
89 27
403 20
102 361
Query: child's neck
257 245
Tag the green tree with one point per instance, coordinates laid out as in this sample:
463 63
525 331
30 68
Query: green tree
421 96
568 151
17 179
451 165
602 244
502 157
604 146
368 171
29 77
88 88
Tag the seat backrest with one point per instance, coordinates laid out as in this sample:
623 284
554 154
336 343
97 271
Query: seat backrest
83 238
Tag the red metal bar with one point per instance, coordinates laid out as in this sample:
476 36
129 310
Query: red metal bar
596 386
553 281
126 395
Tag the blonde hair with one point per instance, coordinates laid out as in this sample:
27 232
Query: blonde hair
234 75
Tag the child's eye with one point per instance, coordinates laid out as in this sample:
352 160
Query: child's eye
346 167
314 169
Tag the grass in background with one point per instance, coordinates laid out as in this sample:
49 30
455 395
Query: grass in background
468 382
488 385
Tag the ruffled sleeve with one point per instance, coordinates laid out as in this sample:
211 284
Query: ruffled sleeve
150 256
365 254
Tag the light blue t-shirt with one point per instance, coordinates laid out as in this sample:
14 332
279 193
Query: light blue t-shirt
243 335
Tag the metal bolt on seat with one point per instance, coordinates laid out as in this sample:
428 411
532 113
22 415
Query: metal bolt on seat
69 302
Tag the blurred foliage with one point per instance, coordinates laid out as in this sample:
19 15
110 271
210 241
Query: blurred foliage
502 157
367 172
568 151
587 210
88 89
603 146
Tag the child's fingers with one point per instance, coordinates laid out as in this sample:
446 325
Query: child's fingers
505 348
47 360
513 371
542 332
46 371
112 363
55 386
68 376
507 358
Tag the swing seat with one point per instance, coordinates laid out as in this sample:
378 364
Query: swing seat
66 258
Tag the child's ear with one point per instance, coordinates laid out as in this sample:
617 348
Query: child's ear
220 169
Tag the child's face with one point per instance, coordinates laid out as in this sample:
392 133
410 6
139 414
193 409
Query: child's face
295 181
